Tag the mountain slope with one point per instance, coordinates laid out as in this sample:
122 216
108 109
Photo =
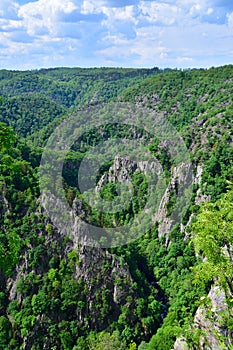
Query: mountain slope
55 292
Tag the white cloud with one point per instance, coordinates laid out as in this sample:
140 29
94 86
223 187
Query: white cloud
115 39
230 19
171 46
154 53
161 13
210 10
42 16
184 59
195 9
92 6
88 7
201 9
7 25
116 15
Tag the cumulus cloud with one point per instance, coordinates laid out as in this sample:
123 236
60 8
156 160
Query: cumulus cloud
159 13
230 19
42 16
126 13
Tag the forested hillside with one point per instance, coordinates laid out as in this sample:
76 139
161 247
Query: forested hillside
56 293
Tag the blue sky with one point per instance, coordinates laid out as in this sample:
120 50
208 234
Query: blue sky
123 33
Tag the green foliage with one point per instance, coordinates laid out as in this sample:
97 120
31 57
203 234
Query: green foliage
7 137
164 338
5 332
212 238
28 114
218 169
105 341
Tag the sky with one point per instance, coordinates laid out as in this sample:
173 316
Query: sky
118 33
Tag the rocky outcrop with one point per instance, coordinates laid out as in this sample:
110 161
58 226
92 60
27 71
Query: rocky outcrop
210 320
4 207
181 180
209 323
105 278
180 344
123 168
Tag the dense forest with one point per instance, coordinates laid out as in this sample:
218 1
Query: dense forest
171 288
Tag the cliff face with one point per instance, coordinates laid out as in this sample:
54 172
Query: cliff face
181 179
4 206
210 324
210 320
99 284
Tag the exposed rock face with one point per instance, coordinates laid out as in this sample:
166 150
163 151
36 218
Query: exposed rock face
104 277
4 208
199 196
210 326
123 168
180 344
181 179
4 205
102 274
210 320
199 170
213 326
